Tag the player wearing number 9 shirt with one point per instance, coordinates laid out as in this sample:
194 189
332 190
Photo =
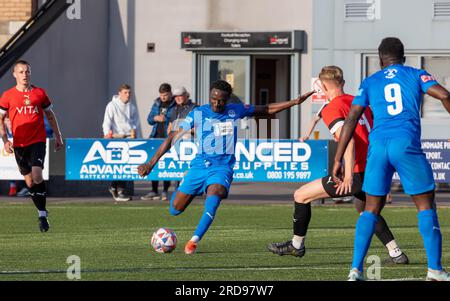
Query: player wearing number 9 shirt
334 114
395 96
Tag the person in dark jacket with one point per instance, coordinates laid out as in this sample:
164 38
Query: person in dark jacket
184 106
159 118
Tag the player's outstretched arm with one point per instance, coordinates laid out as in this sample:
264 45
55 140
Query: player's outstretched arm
6 142
277 107
439 92
51 117
312 126
145 169
348 129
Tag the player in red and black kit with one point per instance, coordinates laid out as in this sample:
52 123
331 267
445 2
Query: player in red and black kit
25 105
334 115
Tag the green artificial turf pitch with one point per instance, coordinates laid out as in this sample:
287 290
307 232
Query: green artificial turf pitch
113 243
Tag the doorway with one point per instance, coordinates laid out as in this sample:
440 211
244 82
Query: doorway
272 84
233 69
257 79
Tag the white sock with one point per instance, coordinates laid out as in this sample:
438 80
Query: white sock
42 213
195 238
394 249
298 241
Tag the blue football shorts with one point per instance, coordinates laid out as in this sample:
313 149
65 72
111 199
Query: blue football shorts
198 179
404 155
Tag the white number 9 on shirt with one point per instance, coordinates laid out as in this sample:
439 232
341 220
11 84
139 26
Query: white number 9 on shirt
393 94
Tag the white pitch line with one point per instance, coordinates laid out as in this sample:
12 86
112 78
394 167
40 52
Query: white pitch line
32 272
404 279
282 268
146 270
201 268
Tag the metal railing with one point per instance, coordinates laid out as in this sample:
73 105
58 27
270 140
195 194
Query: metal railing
30 32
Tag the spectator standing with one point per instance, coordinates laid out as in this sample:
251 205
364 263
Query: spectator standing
183 106
121 121
159 118
182 109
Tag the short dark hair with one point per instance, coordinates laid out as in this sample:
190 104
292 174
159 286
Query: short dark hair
222 86
21 62
165 87
124 87
391 47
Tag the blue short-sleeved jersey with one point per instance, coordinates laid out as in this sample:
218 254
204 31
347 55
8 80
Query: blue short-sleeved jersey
216 133
395 96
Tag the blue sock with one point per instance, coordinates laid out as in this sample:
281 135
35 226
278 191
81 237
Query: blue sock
172 210
432 238
365 228
211 205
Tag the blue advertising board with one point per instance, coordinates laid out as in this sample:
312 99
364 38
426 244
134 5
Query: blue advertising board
256 160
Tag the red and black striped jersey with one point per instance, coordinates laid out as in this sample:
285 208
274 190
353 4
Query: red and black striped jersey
334 115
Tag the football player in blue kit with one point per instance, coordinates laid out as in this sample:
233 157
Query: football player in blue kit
211 171
395 95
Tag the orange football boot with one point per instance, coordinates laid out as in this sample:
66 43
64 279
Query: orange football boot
190 247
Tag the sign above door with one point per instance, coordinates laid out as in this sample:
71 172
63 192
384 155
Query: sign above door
243 40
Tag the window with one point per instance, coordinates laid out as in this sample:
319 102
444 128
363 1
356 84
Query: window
439 67
436 65
372 63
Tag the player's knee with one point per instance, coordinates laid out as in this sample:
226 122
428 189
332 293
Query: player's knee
37 181
217 190
36 178
222 194
174 211
376 210
299 197
177 204
359 205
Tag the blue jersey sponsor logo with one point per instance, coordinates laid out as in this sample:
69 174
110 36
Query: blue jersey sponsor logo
216 133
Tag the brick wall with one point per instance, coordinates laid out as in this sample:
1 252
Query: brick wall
13 13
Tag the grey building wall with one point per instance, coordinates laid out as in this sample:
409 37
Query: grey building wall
122 49
70 61
161 22
82 62
121 46
341 42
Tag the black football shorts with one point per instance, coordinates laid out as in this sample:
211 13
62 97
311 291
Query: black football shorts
29 156
358 179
